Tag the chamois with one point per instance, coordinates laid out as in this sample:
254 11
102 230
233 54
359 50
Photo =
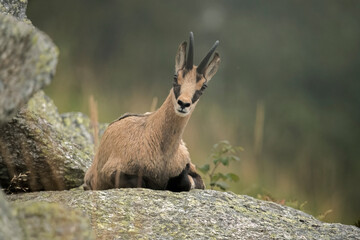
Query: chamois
147 150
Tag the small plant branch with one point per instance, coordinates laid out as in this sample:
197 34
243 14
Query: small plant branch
212 174
223 153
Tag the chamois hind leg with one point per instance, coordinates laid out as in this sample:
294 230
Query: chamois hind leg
123 180
187 180
181 182
198 182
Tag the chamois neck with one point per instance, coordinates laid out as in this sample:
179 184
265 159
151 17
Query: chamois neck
170 126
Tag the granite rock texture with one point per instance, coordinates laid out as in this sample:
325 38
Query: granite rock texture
28 58
198 214
9 224
43 221
16 8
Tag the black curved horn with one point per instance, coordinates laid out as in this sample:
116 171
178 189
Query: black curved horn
204 62
190 57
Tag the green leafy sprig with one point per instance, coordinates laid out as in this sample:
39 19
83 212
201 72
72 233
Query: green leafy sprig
223 153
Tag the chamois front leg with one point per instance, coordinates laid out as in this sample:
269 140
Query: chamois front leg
123 180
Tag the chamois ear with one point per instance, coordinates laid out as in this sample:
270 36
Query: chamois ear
180 57
212 67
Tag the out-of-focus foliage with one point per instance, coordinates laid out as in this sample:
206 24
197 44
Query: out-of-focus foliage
223 153
287 89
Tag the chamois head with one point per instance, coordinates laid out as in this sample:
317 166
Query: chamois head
190 81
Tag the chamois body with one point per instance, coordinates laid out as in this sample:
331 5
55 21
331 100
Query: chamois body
149 145
147 150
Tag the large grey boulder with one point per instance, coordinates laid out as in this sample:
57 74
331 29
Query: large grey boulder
43 150
28 58
198 214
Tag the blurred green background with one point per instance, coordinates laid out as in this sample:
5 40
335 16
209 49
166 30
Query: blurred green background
287 89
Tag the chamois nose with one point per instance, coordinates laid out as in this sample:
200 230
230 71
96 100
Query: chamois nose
182 104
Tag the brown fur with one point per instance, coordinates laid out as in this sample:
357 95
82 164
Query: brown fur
151 144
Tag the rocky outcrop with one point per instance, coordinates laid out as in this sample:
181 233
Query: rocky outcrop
43 150
28 58
149 214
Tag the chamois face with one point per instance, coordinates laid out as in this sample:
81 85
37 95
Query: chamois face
190 81
188 87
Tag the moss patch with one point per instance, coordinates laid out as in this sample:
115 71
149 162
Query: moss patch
43 220
28 62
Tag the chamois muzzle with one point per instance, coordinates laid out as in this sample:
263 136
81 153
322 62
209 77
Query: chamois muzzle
183 105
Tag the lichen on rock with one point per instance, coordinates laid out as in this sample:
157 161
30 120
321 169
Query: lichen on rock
9 224
198 214
17 8
44 220
48 151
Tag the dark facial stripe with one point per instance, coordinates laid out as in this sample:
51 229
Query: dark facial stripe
198 93
176 89
196 96
176 86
